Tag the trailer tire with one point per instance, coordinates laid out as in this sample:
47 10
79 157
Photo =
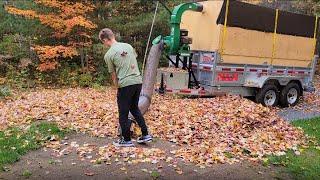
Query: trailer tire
290 95
268 95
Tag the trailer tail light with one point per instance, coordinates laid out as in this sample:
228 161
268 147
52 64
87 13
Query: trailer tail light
188 91
240 70
228 77
206 68
207 58
202 92
226 69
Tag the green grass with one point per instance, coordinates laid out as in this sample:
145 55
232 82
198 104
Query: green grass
15 142
307 164
311 127
26 174
155 175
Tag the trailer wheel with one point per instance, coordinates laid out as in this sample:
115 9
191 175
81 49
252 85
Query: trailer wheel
290 95
268 95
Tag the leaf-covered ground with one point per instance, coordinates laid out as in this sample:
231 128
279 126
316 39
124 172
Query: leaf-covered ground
78 158
207 130
311 101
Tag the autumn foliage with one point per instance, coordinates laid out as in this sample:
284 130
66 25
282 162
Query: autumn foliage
67 17
48 55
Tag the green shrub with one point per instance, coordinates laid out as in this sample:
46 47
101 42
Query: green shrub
16 46
67 77
85 80
23 78
97 86
5 91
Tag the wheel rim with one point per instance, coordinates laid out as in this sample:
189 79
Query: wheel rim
270 98
292 95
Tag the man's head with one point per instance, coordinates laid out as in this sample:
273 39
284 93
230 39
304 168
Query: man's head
107 37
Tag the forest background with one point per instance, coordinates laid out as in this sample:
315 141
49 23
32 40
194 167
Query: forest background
54 43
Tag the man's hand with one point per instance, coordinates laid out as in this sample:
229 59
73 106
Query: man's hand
114 79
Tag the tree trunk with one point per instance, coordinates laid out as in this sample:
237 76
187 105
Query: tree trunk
82 58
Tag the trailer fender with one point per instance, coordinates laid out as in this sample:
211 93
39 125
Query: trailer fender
283 81
252 80
258 82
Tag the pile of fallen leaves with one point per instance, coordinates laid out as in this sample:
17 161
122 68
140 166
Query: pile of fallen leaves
312 100
209 130
221 129
79 109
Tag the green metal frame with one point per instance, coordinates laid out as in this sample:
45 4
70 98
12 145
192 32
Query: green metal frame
172 43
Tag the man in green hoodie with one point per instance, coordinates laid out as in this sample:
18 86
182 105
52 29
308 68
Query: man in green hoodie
123 67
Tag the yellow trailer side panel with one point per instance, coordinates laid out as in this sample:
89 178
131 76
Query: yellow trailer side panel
254 47
291 63
202 26
243 46
294 47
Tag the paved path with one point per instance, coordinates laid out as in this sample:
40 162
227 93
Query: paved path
43 165
291 114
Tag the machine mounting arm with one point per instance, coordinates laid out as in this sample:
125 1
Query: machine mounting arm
172 43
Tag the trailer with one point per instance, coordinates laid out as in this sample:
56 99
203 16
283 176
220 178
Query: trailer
231 47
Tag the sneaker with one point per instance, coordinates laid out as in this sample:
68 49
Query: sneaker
144 139
123 143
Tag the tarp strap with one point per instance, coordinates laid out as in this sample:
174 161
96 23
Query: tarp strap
275 35
315 37
225 27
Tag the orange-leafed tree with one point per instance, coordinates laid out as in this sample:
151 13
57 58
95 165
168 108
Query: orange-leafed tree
71 30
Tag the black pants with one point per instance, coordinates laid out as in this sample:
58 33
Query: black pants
128 99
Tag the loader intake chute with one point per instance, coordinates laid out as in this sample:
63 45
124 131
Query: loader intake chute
171 44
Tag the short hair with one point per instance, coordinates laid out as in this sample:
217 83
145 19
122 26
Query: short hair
106 33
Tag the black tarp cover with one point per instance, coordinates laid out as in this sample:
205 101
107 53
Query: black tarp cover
253 17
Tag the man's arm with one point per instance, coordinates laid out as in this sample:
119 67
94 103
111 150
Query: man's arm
114 79
111 70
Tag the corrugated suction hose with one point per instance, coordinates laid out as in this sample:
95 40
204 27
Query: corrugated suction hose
149 78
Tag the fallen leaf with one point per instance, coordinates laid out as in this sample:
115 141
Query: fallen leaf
89 173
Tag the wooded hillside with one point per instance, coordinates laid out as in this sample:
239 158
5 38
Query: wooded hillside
56 42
